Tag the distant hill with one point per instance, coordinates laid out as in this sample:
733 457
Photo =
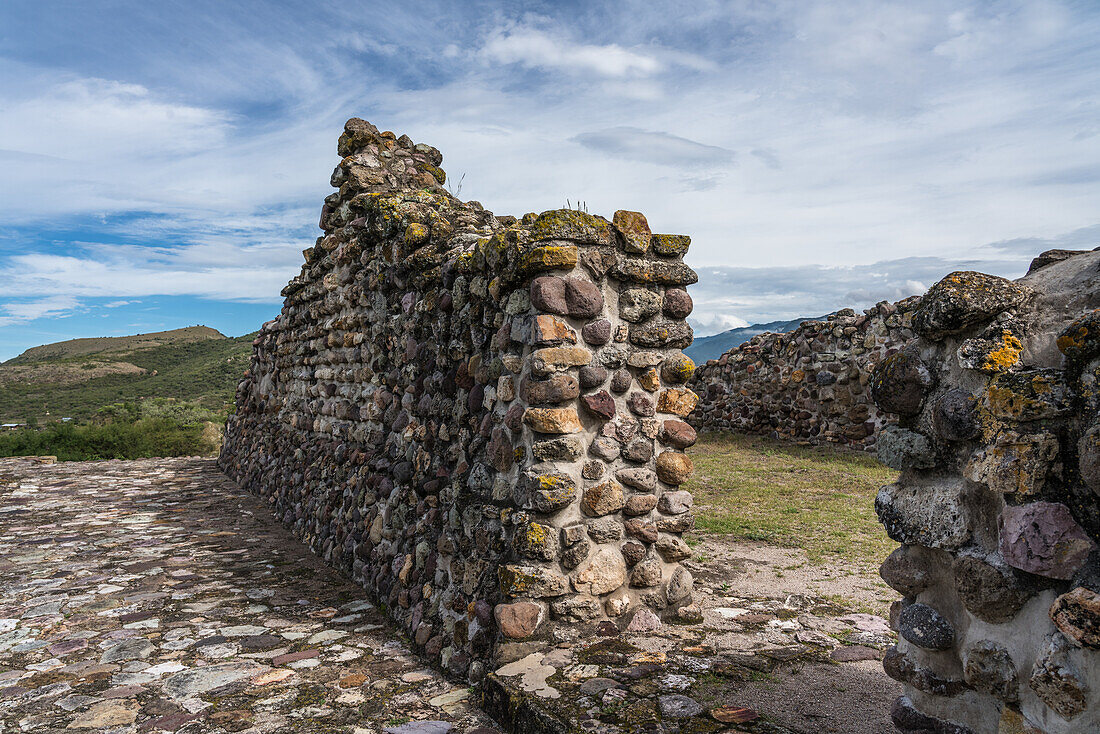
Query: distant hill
712 347
95 345
75 378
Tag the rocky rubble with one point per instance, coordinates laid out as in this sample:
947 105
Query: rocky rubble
812 384
478 418
995 412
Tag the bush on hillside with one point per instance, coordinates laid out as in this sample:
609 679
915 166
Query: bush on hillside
153 428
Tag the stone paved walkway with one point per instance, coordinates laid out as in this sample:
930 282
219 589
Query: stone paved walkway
155 596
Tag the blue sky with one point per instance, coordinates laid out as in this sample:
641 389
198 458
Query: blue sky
163 164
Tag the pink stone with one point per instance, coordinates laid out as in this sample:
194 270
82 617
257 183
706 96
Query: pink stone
1044 539
644 621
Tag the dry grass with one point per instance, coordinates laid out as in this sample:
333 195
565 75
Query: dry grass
819 499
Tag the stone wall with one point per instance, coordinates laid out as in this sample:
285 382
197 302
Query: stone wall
810 384
998 419
478 418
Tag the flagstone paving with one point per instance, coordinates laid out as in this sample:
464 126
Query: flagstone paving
155 596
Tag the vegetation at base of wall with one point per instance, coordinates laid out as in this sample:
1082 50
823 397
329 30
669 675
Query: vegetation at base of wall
152 428
819 499
204 372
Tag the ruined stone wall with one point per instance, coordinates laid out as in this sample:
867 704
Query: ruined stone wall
809 384
478 418
998 418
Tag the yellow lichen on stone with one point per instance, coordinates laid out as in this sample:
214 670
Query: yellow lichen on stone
549 257
416 234
437 173
670 245
1004 357
569 224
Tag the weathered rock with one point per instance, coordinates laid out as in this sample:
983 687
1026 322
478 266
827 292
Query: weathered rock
639 504
991 353
555 359
680 401
989 668
1080 341
638 304
599 404
660 333
518 620
677 303
597 333
900 448
537 541
955 416
576 608
1076 614
672 548
605 530
603 499
1044 539
1016 464
548 294
640 404
936 515
640 478
906 570
635 231
531 581
564 448
963 299
900 382
546 493
680 585
583 298
675 706
604 572
546 329
925 627
553 420
677 434
992 593
644 621
1088 453
555 390
673 467
646 573
674 503
1057 681
1028 395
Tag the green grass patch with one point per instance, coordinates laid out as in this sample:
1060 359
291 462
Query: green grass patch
819 499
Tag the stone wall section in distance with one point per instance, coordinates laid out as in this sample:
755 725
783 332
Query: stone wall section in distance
810 384
479 418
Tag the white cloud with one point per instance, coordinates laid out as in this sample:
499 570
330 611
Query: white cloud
18 312
223 271
654 147
538 49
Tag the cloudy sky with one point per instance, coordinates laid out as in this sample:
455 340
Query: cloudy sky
163 164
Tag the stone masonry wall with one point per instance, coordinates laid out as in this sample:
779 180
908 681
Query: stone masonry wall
478 418
810 384
998 442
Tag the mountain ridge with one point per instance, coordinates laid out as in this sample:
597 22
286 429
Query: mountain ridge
714 346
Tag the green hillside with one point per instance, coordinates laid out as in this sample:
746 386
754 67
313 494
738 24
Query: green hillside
96 345
74 379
